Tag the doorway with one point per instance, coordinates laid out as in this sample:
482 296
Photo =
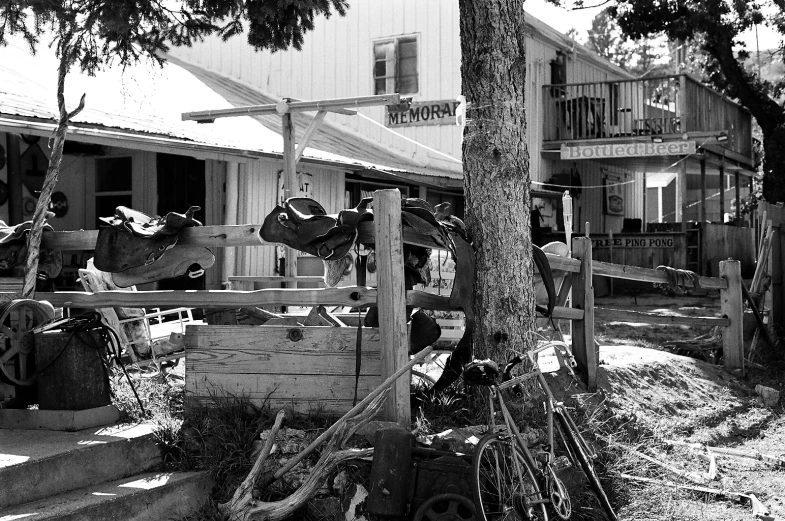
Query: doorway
181 184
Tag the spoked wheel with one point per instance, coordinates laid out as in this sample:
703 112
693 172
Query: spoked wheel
580 451
446 507
503 483
18 318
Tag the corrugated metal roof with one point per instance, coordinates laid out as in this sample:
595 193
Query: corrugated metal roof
143 105
327 138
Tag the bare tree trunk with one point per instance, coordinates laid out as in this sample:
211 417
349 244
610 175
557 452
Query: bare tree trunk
34 239
496 173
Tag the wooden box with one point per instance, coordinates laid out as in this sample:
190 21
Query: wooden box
305 368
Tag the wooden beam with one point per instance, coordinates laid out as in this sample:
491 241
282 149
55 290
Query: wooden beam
14 173
620 271
702 215
350 296
622 315
722 189
681 196
208 236
392 301
737 214
309 132
284 107
291 186
583 346
732 308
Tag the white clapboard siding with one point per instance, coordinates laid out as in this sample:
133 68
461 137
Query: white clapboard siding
336 61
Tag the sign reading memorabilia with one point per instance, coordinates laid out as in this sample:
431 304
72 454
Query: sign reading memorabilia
634 242
614 150
422 113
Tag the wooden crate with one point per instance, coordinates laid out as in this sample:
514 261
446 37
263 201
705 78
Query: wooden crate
306 368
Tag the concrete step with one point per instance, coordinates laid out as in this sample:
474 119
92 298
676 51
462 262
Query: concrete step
144 497
37 464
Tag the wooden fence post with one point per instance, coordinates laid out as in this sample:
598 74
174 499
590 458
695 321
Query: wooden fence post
392 301
583 347
732 308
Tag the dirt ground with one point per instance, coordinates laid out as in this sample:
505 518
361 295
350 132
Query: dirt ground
657 395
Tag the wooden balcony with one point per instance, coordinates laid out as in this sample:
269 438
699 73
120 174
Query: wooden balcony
667 105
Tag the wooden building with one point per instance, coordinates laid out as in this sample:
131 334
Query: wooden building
592 127
130 147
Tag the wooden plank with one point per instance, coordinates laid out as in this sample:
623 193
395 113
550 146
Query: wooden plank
281 386
307 406
583 298
621 271
731 306
349 296
258 361
264 338
308 134
208 236
392 301
620 315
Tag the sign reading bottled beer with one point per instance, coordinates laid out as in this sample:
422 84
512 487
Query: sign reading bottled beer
422 113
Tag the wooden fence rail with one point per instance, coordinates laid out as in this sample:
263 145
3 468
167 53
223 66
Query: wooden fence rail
392 297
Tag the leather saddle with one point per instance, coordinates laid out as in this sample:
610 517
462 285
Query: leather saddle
303 224
13 250
137 248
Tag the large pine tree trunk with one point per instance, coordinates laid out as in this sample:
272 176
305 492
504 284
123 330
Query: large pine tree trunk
496 173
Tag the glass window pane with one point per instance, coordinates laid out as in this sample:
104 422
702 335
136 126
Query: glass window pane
380 71
407 85
380 87
407 66
113 174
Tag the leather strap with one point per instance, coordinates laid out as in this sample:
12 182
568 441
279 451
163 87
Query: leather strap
362 263
544 267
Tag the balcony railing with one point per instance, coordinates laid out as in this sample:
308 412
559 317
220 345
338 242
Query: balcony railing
651 106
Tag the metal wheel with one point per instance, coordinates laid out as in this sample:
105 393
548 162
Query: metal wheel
17 320
504 485
446 507
560 498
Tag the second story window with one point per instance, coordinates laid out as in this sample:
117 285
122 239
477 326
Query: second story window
395 65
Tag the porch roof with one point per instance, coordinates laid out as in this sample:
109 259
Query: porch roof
140 108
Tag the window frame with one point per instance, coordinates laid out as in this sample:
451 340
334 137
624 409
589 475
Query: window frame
395 40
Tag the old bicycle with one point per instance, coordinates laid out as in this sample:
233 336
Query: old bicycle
509 482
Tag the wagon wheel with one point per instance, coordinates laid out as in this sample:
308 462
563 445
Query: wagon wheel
18 318
446 507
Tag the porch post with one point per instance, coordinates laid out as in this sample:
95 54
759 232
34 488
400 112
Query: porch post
290 188
230 204
14 167
737 214
703 191
681 196
722 189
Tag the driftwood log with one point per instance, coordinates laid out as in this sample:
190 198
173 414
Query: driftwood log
243 506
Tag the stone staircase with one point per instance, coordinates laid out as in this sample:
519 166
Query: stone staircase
94 474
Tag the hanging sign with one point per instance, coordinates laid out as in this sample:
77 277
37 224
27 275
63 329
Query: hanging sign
423 113
615 150
614 196
637 242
